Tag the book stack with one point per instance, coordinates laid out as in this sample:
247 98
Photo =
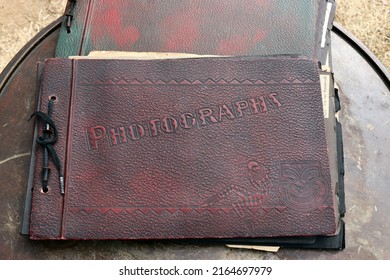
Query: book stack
203 121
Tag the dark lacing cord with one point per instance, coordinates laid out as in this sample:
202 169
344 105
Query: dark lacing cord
47 142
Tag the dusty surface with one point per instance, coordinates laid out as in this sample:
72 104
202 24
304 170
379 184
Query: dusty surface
21 19
370 22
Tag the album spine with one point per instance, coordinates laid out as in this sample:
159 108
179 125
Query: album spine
46 180
25 226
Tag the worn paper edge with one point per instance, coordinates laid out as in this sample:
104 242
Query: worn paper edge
325 67
325 87
325 27
139 55
272 249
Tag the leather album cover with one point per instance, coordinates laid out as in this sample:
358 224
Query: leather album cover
228 27
216 148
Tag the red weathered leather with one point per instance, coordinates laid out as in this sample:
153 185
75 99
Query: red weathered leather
186 148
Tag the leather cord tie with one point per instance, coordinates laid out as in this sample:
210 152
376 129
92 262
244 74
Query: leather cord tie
49 138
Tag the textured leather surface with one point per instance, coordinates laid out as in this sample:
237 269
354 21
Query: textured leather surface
196 148
228 27
47 220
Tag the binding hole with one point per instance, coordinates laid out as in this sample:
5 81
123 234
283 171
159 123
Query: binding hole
45 190
53 98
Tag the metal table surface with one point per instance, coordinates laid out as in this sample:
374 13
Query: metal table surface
365 116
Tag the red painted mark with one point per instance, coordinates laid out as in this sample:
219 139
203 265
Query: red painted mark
240 44
122 36
259 35
233 45
182 30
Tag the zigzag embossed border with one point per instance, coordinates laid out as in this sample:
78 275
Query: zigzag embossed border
185 82
184 210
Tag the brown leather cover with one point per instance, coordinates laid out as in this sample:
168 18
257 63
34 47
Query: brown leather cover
187 148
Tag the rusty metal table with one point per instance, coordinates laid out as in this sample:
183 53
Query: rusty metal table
365 115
